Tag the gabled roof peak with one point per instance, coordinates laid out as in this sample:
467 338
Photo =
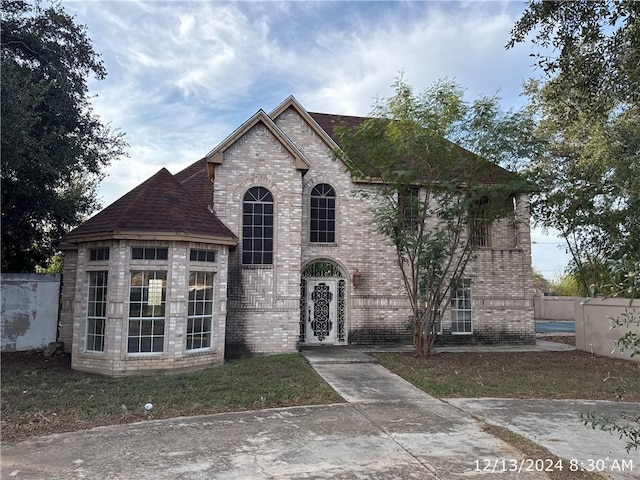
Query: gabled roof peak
217 154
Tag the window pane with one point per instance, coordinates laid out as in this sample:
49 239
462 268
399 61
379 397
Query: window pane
137 278
96 310
132 345
147 300
322 214
200 310
145 344
135 310
134 327
158 327
461 313
257 224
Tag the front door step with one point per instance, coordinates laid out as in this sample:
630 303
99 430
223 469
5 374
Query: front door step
323 354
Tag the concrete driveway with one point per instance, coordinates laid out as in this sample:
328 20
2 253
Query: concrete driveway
387 430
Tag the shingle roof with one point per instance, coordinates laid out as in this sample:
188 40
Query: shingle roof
195 179
160 205
328 122
490 172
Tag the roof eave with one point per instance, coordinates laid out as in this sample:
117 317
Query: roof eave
151 235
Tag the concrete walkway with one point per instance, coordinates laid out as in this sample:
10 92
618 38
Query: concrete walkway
556 425
541 345
387 430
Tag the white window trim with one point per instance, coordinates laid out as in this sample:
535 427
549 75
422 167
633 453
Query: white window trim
146 269
210 317
470 309
334 243
88 318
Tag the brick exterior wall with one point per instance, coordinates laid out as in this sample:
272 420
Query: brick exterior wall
264 303
67 292
115 360
257 309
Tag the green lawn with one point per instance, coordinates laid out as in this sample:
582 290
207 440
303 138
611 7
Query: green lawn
570 374
41 396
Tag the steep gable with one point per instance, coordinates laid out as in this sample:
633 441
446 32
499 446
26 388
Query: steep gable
216 156
308 117
159 207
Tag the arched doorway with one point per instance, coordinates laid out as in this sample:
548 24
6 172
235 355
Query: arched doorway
322 304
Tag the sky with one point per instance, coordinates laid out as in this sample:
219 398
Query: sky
182 75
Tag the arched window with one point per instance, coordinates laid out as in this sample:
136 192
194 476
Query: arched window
257 227
322 228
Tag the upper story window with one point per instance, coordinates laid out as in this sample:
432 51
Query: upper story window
322 228
409 207
149 253
479 225
98 254
257 227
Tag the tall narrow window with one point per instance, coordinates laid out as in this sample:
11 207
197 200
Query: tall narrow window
200 310
96 312
461 307
257 227
479 225
409 207
147 297
322 228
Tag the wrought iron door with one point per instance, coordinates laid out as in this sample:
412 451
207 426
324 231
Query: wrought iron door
321 311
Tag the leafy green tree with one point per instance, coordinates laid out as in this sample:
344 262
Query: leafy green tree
429 194
589 110
566 285
54 149
589 50
590 175
589 184
540 283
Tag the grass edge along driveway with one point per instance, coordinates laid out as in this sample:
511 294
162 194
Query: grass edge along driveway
42 396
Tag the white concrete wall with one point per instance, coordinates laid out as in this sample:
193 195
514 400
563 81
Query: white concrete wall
30 304
593 319
554 308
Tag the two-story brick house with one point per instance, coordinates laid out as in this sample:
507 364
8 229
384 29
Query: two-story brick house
308 268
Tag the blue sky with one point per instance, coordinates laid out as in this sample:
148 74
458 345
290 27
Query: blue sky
183 75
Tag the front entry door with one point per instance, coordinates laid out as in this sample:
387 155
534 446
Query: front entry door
321 311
